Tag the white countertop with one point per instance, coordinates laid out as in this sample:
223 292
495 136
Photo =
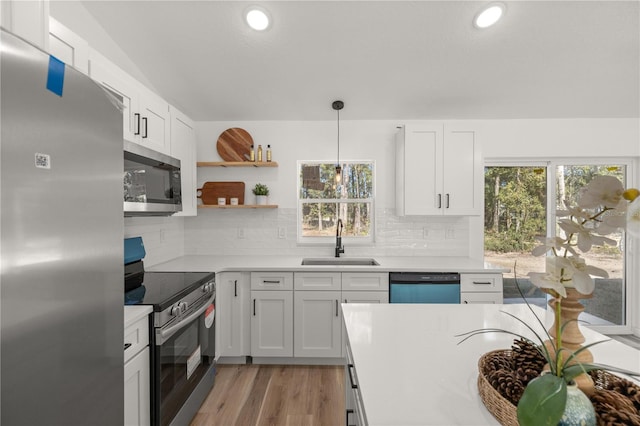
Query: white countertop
207 263
133 313
411 371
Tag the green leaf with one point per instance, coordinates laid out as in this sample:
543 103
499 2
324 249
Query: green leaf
543 401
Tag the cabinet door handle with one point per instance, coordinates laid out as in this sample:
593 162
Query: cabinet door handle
447 200
482 282
349 411
127 346
439 201
271 281
146 128
466 302
254 307
336 307
137 131
349 368
235 288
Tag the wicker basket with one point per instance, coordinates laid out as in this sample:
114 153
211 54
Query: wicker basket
501 408
506 413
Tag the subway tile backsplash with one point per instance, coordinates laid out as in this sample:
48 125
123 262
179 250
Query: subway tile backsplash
259 232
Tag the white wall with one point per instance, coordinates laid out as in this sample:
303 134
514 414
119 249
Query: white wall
216 232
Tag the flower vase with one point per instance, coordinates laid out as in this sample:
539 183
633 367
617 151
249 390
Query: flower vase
572 338
261 200
578 410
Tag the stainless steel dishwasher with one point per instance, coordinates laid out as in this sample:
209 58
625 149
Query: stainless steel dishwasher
424 287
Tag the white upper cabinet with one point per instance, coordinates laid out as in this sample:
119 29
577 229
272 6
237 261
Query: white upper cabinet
145 116
67 46
28 19
183 147
438 171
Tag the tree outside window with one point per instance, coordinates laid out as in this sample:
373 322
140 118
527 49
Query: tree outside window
322 201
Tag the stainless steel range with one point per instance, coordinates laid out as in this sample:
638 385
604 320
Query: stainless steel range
183 335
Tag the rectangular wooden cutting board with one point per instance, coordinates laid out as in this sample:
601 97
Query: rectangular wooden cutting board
211 191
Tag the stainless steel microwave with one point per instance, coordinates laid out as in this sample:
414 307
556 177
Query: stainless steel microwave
152 184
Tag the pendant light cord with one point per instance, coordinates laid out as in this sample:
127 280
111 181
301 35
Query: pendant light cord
338 137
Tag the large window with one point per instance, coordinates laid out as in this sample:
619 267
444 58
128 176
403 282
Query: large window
322 200
520 206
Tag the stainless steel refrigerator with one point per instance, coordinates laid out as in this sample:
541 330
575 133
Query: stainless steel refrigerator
61 232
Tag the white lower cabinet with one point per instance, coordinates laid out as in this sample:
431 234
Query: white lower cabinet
317 324
137 392
232 308
272 323
137 380
481 288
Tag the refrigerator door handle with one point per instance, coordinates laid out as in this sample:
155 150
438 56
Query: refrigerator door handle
163 335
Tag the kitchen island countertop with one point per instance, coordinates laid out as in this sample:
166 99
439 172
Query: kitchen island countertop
411 370
213 263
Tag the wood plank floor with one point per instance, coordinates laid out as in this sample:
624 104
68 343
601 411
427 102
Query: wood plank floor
289 395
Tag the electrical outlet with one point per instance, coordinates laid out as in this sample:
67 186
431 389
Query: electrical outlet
282 232
241 233
450 234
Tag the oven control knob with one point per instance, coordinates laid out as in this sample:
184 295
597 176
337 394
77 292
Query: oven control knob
208 287
183 307
175 310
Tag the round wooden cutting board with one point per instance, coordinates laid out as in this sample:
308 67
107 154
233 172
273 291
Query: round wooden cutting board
234 144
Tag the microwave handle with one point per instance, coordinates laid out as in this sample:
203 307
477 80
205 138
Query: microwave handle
163 335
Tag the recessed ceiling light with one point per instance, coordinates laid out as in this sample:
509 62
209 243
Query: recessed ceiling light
489 15
257 18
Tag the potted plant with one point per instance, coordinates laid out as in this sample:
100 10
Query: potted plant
603 207
261 192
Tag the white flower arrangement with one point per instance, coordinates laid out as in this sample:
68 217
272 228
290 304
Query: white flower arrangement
603 207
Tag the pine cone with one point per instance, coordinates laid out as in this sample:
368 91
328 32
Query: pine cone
525 375
526 356
506 382
613 408
497 362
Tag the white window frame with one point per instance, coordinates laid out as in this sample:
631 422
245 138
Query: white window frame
632 265
331 240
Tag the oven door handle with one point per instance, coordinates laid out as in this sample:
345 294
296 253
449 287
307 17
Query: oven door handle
164 335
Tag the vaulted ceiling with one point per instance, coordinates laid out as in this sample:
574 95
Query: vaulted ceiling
385 59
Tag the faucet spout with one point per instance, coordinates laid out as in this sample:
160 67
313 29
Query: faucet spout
339 246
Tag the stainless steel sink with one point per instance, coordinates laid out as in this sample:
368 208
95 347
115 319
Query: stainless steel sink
338 261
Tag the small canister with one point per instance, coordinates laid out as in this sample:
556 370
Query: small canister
234 201
222 201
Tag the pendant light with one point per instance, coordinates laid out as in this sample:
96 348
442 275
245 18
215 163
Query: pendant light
338 105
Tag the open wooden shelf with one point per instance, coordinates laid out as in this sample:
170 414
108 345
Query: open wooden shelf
236 164
243 206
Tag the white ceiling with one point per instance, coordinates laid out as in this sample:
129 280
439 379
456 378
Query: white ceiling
384 59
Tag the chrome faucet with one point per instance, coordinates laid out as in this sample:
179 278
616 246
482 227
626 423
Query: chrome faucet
339 246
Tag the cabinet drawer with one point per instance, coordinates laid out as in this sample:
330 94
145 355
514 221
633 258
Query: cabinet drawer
480 298
481 282
136 337
370 281
317 281
272 281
